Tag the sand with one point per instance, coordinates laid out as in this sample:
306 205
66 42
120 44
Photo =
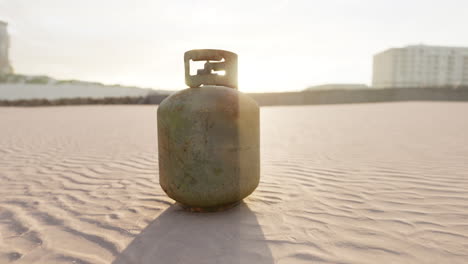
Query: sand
369 183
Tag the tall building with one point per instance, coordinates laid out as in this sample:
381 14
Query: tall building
5 66
421 66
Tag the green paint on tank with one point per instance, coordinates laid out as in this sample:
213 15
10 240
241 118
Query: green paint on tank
209 146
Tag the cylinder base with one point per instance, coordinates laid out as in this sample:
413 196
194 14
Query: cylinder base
209 209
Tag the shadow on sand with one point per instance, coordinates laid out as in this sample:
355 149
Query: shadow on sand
178 236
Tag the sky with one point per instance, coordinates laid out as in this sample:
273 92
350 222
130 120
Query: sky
283 45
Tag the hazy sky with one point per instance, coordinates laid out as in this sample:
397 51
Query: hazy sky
282 45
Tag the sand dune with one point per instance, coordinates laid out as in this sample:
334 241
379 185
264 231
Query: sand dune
371 183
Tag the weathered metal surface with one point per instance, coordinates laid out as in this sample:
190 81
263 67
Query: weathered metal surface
209 141
209 137
216 60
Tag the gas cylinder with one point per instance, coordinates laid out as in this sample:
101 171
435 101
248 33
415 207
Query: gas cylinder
209 136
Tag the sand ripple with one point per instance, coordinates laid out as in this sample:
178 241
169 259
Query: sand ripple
364 183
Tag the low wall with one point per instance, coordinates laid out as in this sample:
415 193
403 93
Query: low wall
362 96
287 98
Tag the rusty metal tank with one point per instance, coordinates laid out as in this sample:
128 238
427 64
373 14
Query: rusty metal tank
209 136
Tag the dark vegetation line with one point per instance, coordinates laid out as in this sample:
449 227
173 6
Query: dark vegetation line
76 101
287 98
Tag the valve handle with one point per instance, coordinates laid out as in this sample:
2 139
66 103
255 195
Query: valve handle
214 62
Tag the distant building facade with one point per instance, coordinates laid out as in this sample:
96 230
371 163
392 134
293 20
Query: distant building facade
421 66
5 66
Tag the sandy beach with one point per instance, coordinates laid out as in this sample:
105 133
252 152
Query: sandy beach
363 183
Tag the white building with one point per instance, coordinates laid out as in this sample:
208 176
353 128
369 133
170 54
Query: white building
421 66
5 66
